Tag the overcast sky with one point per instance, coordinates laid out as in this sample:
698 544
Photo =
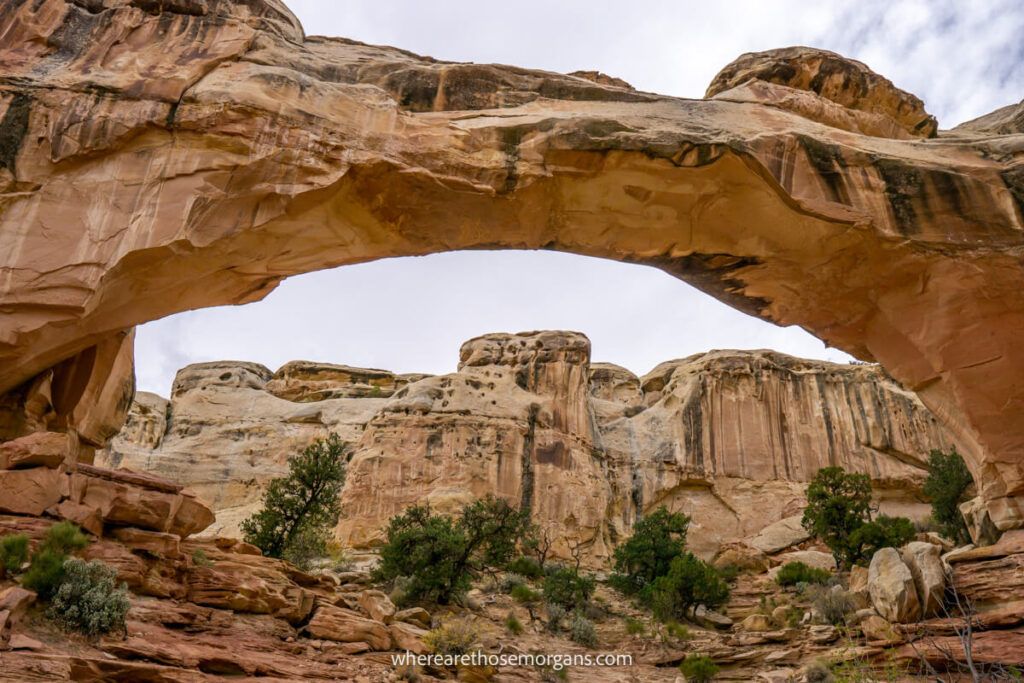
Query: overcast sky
963 59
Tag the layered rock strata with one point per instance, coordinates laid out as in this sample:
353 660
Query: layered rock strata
730 437
161 157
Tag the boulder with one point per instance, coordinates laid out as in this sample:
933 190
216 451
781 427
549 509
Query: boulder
875 628
153 542
742 557
39 449
812 558
346 626
16 600
892 589
408 637
757 623
711 619
377 605
780 535
31 491
85 516
925 564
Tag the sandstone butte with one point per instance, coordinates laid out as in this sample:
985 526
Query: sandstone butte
729 437
157 157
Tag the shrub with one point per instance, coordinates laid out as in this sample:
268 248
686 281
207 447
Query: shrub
440 555
568 588
13 553
635 627
838 503
657 539
677 630
88 599
555 613
946 487
308 544
833 604
583 631
200 559
526 566
510 581
512 623
818 672
690 582
884 532
729 572
300 508
793 573
339 558
524 594
453 637
65 538
698 668
45 572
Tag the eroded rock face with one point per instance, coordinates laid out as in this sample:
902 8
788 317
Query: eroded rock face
729 437
246 152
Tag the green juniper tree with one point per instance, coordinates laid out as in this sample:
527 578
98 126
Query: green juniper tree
839 513
657 539
300 509
946 487
439 555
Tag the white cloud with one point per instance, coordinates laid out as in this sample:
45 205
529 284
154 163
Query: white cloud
963 59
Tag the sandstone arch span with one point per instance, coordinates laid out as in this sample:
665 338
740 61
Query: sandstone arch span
158 157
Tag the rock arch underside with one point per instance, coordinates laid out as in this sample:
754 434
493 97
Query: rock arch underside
157 157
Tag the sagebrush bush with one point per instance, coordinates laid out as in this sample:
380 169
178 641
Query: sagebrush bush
833 604
583 631
13 553
555 613
510 581
88 599
793 573
568 588
698 668
677 630
453 637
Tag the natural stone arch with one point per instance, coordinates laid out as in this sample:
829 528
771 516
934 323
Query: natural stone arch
161 158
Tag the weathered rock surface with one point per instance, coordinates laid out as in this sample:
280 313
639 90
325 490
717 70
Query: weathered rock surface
346 626
246 151
923 560
729 437
892 588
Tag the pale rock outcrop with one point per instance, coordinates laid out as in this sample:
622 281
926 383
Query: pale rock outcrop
892 589
812 558
728 437
780 535
923 560
247 151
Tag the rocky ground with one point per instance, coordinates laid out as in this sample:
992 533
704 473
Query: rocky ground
215 608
